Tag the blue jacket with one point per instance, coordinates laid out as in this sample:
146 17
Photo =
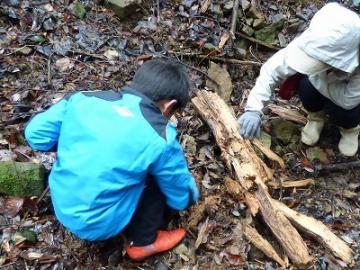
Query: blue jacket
107 144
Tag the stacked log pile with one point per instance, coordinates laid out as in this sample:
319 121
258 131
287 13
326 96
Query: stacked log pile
253 178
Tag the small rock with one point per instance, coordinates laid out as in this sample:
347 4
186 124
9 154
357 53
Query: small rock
7 155
123 8
161 266
248 30
78 9
49 24
245 4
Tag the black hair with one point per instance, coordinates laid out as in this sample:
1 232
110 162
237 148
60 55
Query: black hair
158 80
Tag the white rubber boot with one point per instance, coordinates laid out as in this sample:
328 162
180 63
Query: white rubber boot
349 143
312 130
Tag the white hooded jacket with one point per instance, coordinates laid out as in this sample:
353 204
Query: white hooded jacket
333 38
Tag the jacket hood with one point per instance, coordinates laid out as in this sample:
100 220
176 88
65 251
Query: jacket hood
333 37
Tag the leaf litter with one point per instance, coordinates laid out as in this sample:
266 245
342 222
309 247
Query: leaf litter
50 48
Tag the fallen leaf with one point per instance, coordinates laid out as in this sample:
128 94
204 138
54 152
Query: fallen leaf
111 55
224 38
64 64
223 85
11 206
201 235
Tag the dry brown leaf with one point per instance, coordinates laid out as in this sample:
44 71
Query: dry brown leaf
224 38
64 64
224 86
11 206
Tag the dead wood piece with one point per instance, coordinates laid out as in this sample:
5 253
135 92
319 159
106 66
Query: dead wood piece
237 153
317 230
261 243
292 184
269 153
252 203
287 113
338 166
285 233
234 17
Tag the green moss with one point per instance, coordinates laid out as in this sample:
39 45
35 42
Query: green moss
21 179
30 235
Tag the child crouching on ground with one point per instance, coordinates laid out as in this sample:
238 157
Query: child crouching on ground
119 165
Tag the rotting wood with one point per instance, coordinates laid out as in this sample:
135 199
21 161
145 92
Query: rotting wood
291 184
317 230
287 114
288 237
261 243
267 152
247 168
237 153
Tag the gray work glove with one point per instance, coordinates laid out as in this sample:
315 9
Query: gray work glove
250 123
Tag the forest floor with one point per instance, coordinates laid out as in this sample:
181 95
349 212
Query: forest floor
50 48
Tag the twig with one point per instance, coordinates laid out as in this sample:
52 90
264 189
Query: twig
49 72
90 54
234 61
234 17
6 265
158 10
271 47
338 166
37 202
220 59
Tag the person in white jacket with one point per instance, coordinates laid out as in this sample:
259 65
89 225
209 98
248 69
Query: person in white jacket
327 56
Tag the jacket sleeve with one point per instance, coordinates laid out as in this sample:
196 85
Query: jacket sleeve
42 132
272 73
346 94
173 177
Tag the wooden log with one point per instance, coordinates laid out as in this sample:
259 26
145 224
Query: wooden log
292 184
241 159
261 243
318 231
269 153
288 237
237 153
287 113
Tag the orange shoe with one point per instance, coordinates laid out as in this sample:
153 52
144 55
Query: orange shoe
165 241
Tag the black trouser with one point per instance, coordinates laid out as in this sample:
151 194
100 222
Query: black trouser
313 101
151 214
